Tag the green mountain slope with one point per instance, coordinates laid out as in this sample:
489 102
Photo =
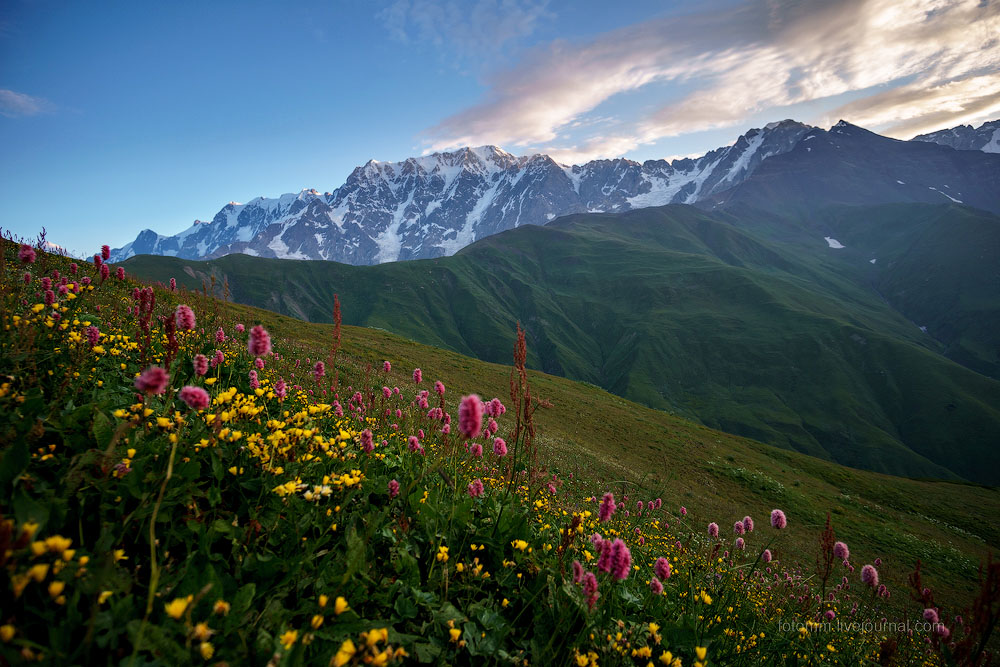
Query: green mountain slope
680 310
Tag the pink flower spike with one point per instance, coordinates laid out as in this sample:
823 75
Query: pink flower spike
26 254
662 568
154 380
200 364
260 341
500 447
778 519
184 317
470 416
608 507
195 397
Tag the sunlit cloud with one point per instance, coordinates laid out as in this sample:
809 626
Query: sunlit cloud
918 64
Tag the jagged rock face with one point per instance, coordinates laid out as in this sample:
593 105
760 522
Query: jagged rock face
435 205
848 165
984 138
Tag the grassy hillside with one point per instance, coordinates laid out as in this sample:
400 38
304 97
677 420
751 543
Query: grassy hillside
259 529
676 309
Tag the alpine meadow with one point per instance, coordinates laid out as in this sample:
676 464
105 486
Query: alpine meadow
665 334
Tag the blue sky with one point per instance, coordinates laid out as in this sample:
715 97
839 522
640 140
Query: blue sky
115 117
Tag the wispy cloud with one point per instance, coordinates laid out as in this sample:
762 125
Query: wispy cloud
469 30
14 104
934 60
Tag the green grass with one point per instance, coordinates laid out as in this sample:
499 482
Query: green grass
198 511
600 436
747 326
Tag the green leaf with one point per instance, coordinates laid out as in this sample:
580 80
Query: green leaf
102 429
12 463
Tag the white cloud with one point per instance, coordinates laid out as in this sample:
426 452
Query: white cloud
471 30
760 55
13 104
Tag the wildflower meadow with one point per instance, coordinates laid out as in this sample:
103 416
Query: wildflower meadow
179 486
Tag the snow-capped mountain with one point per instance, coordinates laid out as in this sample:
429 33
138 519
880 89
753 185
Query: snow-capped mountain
984 138
435 205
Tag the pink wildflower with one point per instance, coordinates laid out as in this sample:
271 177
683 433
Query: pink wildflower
105 252
778 519
476 450
470 416
931 616
608 507
319 370
662 568
195 397
684 511
260 341
748 524
105 272
713 530
386 366
656 586
476 488
220 335
240 328
577 572
738 528
218 358
590 589
258 363
173 284
254 382
200 364
621 560
830 614
393 488
499 447
766 556
439 388
386 393
184 317
414 444
93 335
50 297
869 575
280 389
841 552
418 376
367 441
120 273
154 380
73 268
740 544
26 254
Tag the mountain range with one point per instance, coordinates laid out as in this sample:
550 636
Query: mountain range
984 138
434 205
